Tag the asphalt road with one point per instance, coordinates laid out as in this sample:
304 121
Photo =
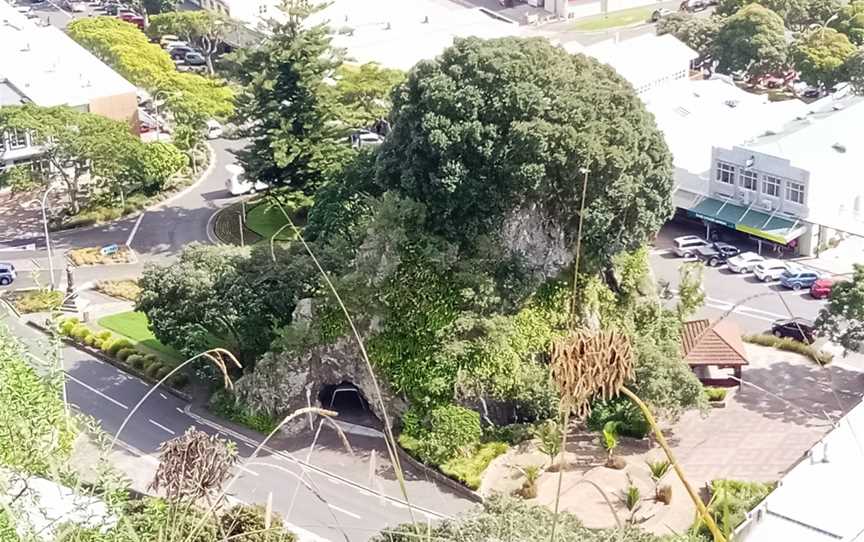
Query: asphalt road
340 491
756 303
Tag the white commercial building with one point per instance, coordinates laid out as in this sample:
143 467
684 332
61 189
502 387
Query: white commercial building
818 500
393 33
43 66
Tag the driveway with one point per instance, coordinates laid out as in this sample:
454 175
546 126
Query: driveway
787 405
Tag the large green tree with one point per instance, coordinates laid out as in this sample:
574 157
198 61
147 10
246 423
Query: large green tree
854 70
842 319
74 144
296 138
489 127
364 92
820 56
796 14
850 21
224 292
753 40
205 29
695 31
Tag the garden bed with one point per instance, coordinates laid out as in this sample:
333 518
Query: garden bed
121 352
716 397
37 300
127 290
81 257
819 356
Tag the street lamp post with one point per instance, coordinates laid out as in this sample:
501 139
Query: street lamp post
47 237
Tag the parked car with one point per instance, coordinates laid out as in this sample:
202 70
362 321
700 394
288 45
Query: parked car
194 59
798 278
821 289
79 7
7 274
214 129
180 51
771 269
658 14
686 244
238 184
800 329
112 9
716 253
744 262
364 138
168 39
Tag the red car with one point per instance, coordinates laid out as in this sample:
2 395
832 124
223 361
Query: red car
821 289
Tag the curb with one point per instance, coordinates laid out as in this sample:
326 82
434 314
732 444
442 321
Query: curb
111 361
11 305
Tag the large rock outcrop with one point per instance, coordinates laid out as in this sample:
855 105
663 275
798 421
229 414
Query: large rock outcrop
539 239
284 382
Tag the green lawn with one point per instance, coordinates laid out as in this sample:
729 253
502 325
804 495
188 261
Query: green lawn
266 219
615 19
134 326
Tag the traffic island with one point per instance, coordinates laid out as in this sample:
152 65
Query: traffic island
230 228
107 255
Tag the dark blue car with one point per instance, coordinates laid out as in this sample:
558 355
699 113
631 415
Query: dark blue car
798 279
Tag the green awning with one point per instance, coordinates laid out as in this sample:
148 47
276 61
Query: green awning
748 220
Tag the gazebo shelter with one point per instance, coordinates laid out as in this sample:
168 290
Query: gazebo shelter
712 349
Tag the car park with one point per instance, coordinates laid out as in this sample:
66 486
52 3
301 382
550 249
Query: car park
716 253
821 289
799 329
744 262
686 244
797 279
771 269
7 274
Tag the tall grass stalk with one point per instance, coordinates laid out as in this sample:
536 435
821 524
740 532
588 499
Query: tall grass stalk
389 440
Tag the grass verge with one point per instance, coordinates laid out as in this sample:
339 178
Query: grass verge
614 19
224 404
266 218
819 356
127 289
30 301
135 327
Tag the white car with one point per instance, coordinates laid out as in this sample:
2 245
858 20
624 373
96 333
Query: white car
686 245
238 184
772 269
744 262
213 130
79 7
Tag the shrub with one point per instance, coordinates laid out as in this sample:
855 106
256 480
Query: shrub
162 372
152 369
80 332
150 358
228 406
247 524
116 345
90 339
513 434
124 353
448 432
819 356
137 361
98 343
94 256
68 324
633 423
104 334
37 300
731 500
469 468
179 380
715 394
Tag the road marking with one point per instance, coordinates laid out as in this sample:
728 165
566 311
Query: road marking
249 471
97 392
135 229
180 410
333 481
160 426
163 396
346 512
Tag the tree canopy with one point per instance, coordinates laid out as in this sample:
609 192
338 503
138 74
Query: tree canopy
796 14
492 126
695 31
204 29
297 138
363 92
753 40
850 21
842 319
820 56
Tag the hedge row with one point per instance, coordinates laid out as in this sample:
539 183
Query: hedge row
121 349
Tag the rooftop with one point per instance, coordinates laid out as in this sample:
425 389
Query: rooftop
394 33
718 344
43 65
833 472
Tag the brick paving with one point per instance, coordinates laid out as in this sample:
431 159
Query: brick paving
759 436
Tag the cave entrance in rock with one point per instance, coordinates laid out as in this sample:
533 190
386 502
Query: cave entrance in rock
348 400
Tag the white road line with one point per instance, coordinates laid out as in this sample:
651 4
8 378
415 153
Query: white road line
248 471
346 512
135 229
163 396
180 410
97 392
160 426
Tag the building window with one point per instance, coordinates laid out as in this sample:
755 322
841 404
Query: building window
771 186
17 140
795 192
725 173
749 180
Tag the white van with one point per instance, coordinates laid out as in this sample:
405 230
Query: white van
214 129
237 183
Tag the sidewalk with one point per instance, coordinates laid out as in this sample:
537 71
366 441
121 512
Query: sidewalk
838 260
